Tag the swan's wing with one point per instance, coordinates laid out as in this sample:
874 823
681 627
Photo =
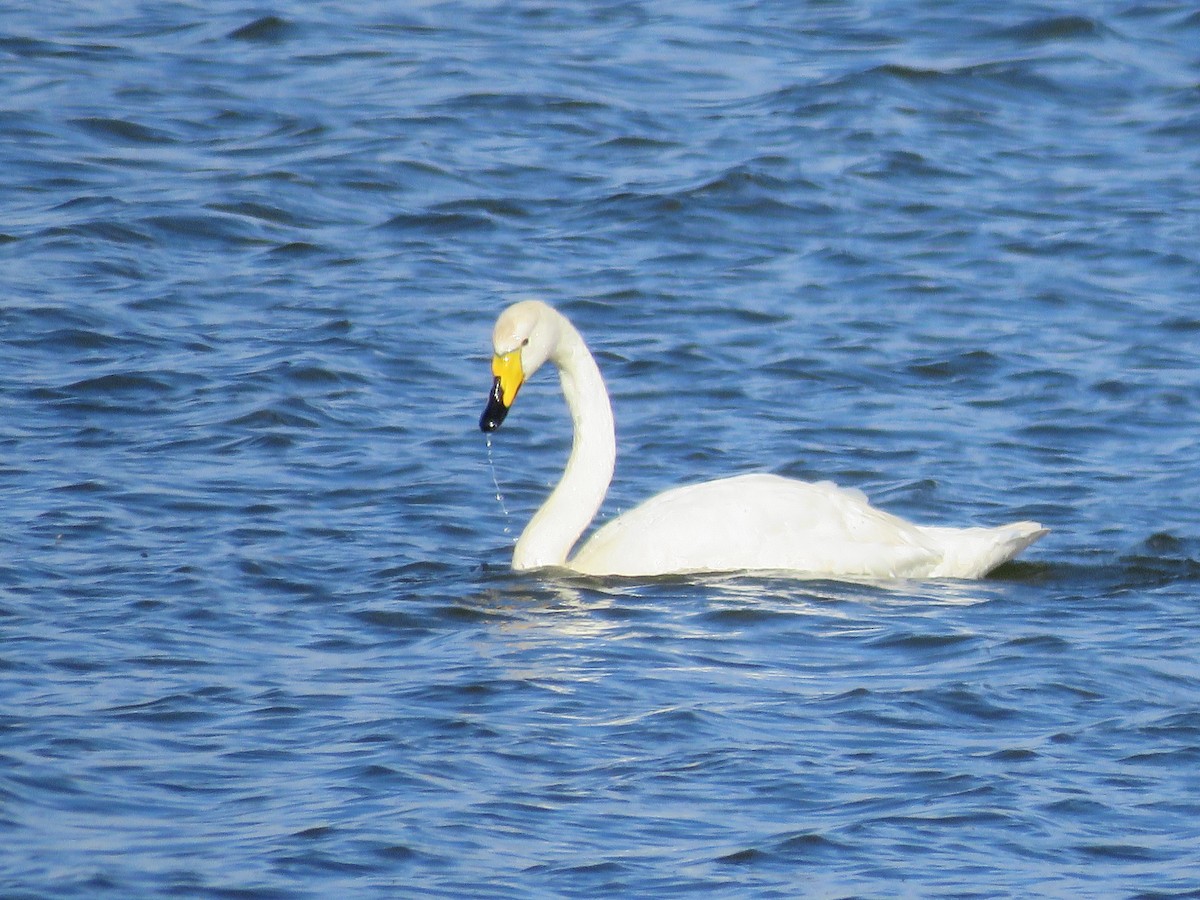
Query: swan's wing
759 522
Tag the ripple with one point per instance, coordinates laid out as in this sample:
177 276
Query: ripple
440 223
1058 28
202 230
250 262
264 30
122 131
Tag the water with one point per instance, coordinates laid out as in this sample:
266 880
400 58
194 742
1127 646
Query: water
258 637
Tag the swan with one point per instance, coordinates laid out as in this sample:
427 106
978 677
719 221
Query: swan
755 522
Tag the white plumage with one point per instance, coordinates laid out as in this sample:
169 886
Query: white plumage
748 522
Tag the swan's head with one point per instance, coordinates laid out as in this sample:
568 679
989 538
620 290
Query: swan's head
525 336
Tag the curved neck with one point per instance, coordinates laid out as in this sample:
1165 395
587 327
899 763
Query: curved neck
552 532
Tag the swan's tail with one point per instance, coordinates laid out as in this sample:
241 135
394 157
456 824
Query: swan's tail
973 552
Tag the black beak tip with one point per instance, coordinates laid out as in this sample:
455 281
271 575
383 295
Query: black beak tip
495 411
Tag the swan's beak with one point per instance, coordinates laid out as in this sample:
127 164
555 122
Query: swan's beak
508 379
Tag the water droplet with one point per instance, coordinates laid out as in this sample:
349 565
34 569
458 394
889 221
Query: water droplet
496 482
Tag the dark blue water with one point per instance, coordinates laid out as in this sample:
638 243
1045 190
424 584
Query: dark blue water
258 637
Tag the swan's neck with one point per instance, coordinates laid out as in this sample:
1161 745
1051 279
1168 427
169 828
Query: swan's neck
552 532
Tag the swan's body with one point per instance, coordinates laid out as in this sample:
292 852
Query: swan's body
749 522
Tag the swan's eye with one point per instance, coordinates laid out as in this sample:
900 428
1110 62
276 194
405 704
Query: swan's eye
525 343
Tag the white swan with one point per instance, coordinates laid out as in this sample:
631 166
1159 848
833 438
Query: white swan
749 522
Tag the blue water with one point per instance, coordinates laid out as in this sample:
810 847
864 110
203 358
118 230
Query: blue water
258 635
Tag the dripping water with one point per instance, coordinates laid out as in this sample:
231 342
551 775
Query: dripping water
496 483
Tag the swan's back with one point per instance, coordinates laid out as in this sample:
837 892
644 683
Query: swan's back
758 522
766 522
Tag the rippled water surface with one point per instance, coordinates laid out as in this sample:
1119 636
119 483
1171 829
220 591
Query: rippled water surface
258 635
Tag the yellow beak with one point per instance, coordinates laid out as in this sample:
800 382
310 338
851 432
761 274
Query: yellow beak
508 369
